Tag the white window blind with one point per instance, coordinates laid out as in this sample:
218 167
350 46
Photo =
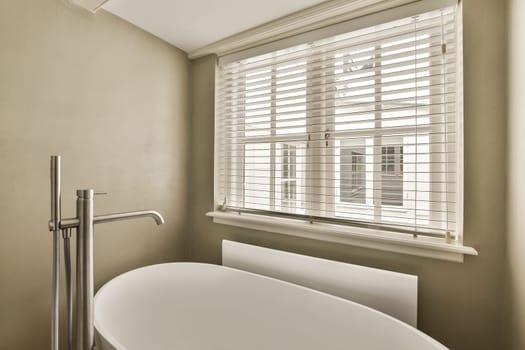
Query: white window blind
362 128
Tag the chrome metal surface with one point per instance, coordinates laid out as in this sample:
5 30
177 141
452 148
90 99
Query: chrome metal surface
66 235
85 290
99 219
64 223
85 293
56 189
55 303
84 223
55 219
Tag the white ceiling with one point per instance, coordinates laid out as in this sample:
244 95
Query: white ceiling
192 24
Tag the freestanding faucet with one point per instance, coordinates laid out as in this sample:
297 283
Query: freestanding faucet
84 222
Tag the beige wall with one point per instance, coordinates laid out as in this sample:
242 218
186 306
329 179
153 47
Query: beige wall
516 171
119 98
459 304
113 101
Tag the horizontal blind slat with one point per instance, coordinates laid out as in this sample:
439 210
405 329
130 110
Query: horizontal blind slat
431 70
399 104
320 61
303 51
423 91
334 72
402 228
327 88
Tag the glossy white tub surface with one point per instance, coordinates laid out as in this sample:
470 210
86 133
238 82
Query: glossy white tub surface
191 306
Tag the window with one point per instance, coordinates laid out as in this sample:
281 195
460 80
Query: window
392 175
289 176
353 175
361 129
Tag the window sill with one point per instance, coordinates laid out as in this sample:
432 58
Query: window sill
375 239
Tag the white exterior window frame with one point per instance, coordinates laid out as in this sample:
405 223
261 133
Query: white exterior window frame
452 250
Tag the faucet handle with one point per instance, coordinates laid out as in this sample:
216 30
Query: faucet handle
100 193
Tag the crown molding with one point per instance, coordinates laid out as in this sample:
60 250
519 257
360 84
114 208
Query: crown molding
311 18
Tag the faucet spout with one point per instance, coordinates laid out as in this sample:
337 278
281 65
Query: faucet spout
99 219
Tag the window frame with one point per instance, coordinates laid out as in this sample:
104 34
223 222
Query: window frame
424 246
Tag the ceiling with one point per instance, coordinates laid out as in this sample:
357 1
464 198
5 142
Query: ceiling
193 24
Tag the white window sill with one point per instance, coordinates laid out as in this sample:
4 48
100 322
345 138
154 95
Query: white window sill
375 239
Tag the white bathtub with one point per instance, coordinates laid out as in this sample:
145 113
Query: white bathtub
209 307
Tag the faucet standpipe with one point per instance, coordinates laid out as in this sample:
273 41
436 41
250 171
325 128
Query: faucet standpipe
84 223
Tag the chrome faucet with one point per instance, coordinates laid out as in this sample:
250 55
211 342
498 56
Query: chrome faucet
84 223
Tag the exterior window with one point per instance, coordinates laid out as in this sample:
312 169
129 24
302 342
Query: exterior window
392 175
359 129
289 176
353 187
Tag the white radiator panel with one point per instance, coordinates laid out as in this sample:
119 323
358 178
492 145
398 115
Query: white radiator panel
390 292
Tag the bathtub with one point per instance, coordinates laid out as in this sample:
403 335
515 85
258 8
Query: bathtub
192 306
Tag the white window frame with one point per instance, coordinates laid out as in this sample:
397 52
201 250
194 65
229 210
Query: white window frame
357 236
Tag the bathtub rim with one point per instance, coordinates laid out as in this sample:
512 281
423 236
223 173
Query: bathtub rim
118 346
